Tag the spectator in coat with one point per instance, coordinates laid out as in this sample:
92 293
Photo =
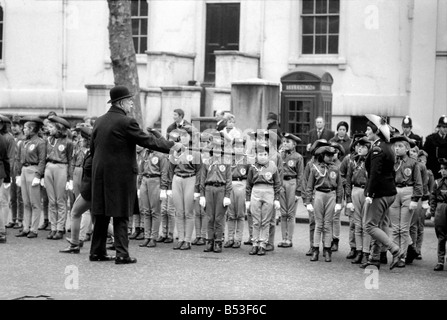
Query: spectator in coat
320 132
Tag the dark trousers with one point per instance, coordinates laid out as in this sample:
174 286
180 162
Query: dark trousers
215 211
441 229
99 238
16 202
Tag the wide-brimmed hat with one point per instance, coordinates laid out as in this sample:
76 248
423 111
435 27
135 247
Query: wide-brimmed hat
325 150
338 147
356 137
363 141
292 137
16 119
4 119
118 93
60 120
261 147
26 119
86 132
317 144
422 153
381 125
403 138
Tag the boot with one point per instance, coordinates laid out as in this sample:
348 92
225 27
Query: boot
141 235
364 262
383 258
209 246
439 267
411 255
352 254
358 258
218 246
315 253
309 253
135 234
327 252
334 246
370 262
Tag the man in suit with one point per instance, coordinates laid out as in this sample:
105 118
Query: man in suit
179 122
114 173
380 190
436 147
320 132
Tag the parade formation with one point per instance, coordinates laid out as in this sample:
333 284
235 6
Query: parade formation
106 180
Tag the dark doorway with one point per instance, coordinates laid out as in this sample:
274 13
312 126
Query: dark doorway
222 33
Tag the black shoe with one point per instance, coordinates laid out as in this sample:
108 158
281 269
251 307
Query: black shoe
22 234
126 260
160 239
397 256
71 249
51 235
135 234
2 239
309 253
186 246
365 259
419 257
145 243
411 255
315 254
401 263
169 240
217 246
383 258
352 254
151 244
358 258
194 242
254 250
58 235
44 225
10 225
31 235
229 243
261 251
88 237
236 244
18 225
327 252
375 263
95 257
334 246
209 246
141 235
269 247
248 242
439 267
178 245
201 242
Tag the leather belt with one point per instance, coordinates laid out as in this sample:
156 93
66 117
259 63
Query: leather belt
215 184
403 185
359 186
324 190
185 175
151 175
26 164
239 179
56 162
287 178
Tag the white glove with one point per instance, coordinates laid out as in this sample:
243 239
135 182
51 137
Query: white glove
138 193
337 207
69 185
42 182
276 204
413 205
163 194
196 195
297 198
350 206
35 182
310 207
226 201
247 205
202 202
368 200
18 181
6 185
169 193
425 205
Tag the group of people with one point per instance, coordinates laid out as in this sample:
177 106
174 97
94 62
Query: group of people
139 184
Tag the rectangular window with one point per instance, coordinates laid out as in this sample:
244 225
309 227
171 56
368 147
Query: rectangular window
1 33
139 16
320 25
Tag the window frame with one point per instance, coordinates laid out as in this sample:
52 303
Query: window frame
140 18
2 36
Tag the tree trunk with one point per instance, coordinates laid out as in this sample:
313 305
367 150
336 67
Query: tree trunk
122 51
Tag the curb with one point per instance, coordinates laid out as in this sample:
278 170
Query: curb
428 223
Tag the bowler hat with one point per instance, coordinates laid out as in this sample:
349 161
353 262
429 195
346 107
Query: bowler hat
292 137
404 139
442 122
381 125
407 122
60 120
118 93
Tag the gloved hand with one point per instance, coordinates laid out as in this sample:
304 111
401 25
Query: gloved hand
163 194
310 207
413 205
196 195
297 198
69 185
226 201
42 182
169 193
6 185
425 205
247 205
368 200
202 202
276 204
18 178
337 207
35 182
350 206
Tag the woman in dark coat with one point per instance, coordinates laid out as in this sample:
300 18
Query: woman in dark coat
114 173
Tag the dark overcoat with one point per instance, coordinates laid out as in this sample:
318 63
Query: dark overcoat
436 148
114 165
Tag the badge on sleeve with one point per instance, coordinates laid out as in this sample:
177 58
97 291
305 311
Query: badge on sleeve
222 168
268 175
31 147
61 148
189 157
407 172
154 160
333 175
291 163
243 171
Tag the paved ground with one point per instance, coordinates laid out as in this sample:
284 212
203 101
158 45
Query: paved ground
32 267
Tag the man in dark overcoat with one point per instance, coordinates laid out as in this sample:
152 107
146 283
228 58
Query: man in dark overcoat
114 173
436 147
